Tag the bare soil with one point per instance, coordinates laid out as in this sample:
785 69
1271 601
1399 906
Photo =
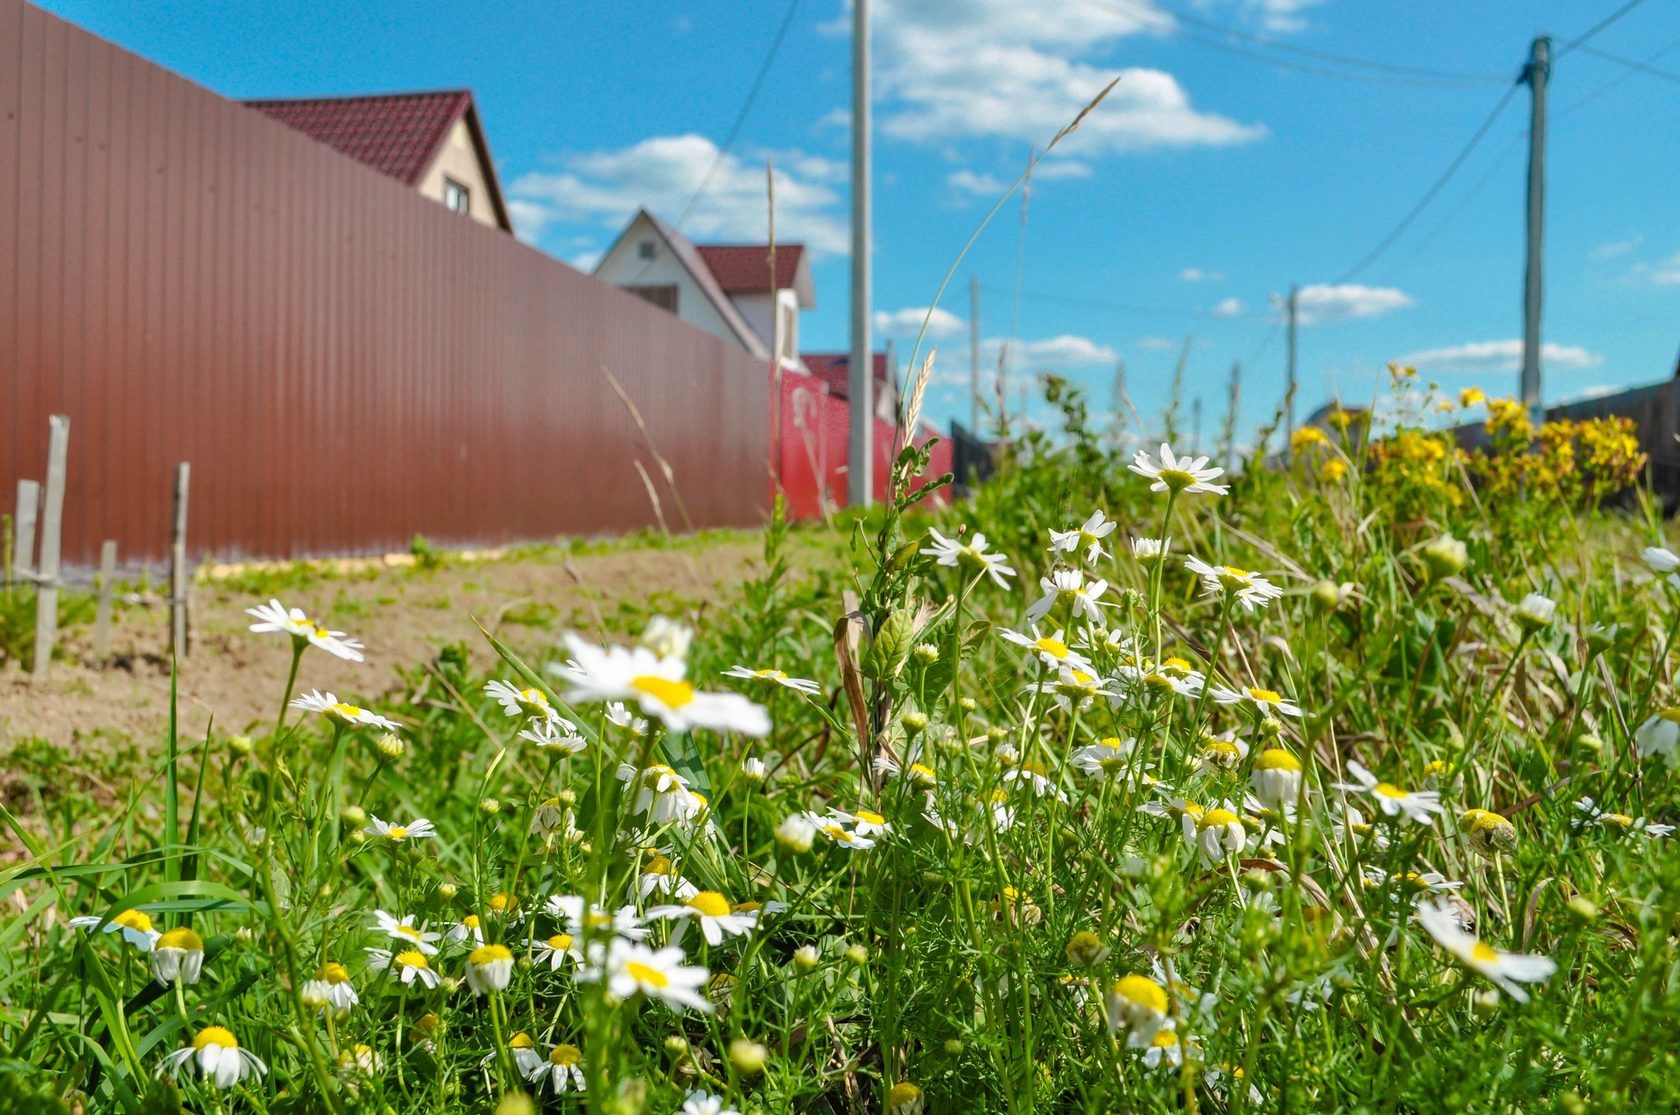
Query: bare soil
403 615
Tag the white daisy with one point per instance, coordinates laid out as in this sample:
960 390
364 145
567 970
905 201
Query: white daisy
949 552
1178 474
410 966
417 829
717 919
134 925
660 876
560 1070
330 989
1149 550
658 686
1415 805
177 954
1215 833
1269 701
520 702
704 1103
405 930
489 968
1251 590
661 793
1535 611
1052 650
1069 585
1035 777
1661 560
217 1056
275 616
1506 970
556 732
622 922
1107 756
798 685
1621 822
1660 735
1086 537
329 706
628 968
555 950
469 928
1137 1005
1276 777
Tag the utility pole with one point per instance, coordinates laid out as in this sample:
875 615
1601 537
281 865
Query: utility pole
1289 396
1228 435
974 354
1196 424
860 381
1537 73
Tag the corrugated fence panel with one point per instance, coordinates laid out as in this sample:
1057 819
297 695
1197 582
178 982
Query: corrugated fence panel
345 363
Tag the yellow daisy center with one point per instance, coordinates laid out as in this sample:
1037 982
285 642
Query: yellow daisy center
710 904
642 973
348 712
332 973
413 958
533 697
184 939
1176 478
408 931
1483 953
1164 1039
659 865
1142 991
521 1040
1274 758
1266 696
565 1055
133 919
1216 818
923 772
868 817
397 832
502 903
488 954
560 942
671 694
1390 790
215 1035
1055 648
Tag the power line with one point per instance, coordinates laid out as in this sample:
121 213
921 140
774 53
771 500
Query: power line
1386 73
1619 80
1637 67
1596 28
1430 194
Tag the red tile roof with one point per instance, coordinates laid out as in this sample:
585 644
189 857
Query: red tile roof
745 268
397 134
833 368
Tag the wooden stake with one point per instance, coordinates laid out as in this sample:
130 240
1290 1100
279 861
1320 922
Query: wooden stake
102 617
52 519
23 542
178 565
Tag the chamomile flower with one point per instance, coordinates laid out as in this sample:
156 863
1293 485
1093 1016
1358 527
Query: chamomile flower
1225 751
134 925
1620 822
406 931
1069 586
1661 560
864 822
717 919
489 968
417 829
1052 650
177 954
915 770
1660 735
1507 971
622 922
798 685
660 876
1033 775
521 702
1488 832
661 793
275 616
622 717
628 968
1174 675
1086 538
1178 474
949 552
561 1070
1215 833
1535 611
704 1103
218 1057
658 685
348 715
555 732
526 1059
1276 777
555 950
1109 755
834 827
1269 702
1419 806
1077 689
469 928
1251 590
1414 885
1148 551
1164 1050
330 989
410 966
1136 1005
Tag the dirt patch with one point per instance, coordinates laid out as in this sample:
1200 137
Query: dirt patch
403 615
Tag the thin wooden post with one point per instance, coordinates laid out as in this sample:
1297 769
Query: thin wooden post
178 565
23 542
52 519
102 617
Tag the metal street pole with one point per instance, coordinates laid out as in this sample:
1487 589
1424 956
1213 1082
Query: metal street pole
1537 73
860 380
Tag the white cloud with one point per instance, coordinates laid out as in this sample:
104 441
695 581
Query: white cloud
1054 169
585 261
530 220
1064 351
980 185
1499 356
1324 302
605 188
1197 275
1663 273
1012 70
1280 16
1228 307
908 322
1615 248
1157 344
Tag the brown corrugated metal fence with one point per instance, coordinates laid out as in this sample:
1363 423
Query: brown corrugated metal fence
344 362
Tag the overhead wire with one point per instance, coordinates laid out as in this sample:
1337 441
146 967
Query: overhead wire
1589 33
1637 67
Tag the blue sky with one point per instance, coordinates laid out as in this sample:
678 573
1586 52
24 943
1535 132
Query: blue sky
1210 180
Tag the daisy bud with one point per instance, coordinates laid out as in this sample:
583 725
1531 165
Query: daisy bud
1582 909
1535 612
1327 596
806 958
1271 727
795 833
1589 741
1086 949
240 745
516 1103
244 934
676 1045
857 954
391 746
567 798
914 722
967 704
447 891
925 653
179 953
353 815
953 1047
489 967
904 1098
1600 638
1444 557
748 1057
754 770
489 806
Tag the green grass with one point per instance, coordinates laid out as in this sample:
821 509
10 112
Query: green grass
985 954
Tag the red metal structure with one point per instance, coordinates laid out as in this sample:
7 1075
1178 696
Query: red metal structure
344 362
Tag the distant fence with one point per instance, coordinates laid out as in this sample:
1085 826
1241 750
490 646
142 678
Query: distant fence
343 362
815 445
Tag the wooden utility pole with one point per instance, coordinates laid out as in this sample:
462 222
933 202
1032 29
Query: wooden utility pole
52 520
1289 396
1537 74
860 380
974 354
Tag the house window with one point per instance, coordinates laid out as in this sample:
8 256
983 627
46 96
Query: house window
456 197
664 296
645 249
